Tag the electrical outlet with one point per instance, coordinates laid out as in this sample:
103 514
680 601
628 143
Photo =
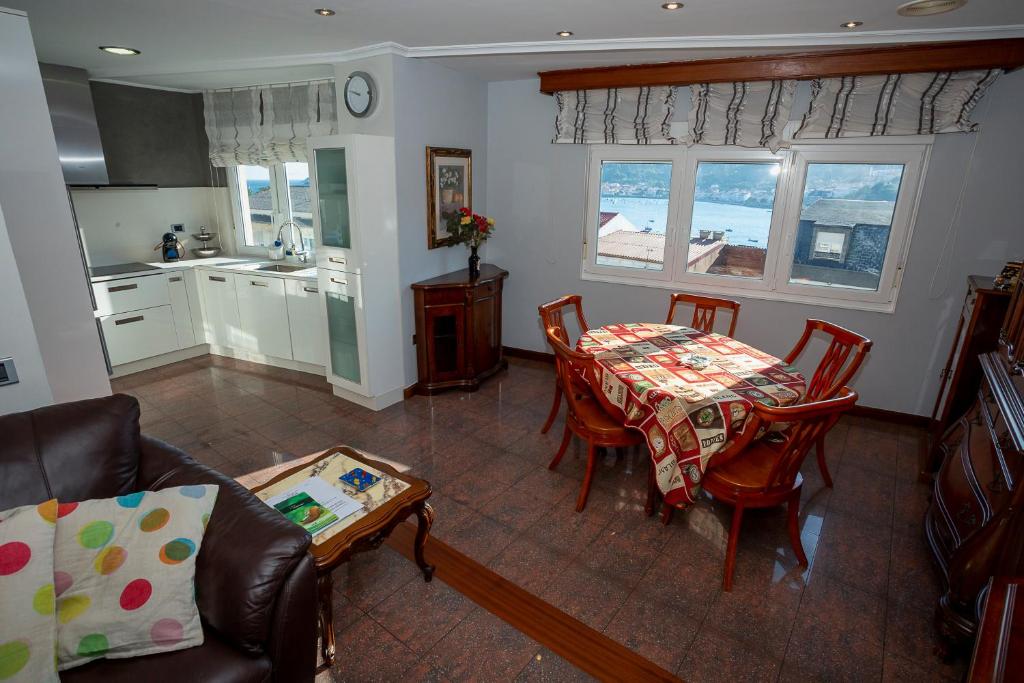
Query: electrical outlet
178 227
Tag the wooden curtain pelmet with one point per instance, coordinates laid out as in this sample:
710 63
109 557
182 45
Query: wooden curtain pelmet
1006 54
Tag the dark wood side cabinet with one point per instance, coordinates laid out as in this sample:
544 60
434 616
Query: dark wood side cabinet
458 329
977 332
975 514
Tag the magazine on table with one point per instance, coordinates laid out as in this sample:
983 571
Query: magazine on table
314 505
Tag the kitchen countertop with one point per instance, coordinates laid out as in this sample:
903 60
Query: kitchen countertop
231 265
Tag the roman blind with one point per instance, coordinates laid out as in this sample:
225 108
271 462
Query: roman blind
623 116
746 114
894 104
267 124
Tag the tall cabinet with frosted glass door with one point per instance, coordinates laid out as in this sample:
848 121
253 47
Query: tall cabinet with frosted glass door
352 179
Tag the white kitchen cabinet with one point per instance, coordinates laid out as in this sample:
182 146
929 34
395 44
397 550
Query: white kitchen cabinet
221 323
180 309
130 294
306 322
139 334
263 316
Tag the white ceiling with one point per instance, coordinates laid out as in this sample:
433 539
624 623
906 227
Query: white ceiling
208 43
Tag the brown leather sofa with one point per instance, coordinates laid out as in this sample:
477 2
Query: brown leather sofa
255 584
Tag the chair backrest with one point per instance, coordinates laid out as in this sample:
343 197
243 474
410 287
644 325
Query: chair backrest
575 370
806 422
704 310
836 367
552 315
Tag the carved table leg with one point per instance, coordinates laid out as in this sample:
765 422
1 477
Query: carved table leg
325 590
425 517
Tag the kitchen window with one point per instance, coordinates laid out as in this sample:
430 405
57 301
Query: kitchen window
265 197
827 223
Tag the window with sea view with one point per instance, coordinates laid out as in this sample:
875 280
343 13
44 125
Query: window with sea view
819 223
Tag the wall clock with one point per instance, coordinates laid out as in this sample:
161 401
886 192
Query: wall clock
360 94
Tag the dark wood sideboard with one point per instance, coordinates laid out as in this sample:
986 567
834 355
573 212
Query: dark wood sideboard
977 332
978 493
458 329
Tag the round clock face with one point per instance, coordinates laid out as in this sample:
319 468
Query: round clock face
360 94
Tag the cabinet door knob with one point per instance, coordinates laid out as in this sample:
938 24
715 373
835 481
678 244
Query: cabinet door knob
257 283
127 321
216 278
174 279
335 259
339 282
311 290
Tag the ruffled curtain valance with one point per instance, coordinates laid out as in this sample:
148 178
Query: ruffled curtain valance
269 123
621 116
745 114
897 104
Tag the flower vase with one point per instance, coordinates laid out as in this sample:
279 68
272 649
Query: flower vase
474 263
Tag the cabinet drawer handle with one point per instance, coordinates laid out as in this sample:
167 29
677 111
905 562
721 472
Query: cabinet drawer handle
122 288
335 259
257 283
965 515
339 282
216 278
311 290
174 279
134 319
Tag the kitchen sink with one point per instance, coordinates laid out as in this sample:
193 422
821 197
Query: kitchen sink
282 268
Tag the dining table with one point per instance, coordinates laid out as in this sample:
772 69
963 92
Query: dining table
689 392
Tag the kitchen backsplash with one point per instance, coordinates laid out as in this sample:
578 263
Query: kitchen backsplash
120 226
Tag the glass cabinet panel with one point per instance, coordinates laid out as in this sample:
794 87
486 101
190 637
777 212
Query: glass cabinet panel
332 196
344 342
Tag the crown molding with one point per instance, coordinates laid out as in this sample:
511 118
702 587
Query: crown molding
793 40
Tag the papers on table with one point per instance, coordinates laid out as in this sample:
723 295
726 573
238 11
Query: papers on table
314 505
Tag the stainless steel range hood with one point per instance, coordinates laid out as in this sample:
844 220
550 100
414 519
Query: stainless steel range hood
74 125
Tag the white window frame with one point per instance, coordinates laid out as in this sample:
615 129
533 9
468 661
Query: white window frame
626 154
280 210
912 152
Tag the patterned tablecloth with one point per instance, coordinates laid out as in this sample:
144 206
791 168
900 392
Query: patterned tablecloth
688 391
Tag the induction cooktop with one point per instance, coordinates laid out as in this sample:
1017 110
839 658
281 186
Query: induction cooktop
120 269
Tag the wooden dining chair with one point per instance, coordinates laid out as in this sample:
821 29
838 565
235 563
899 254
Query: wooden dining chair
552 317
705 308
767 472
585 416
845 353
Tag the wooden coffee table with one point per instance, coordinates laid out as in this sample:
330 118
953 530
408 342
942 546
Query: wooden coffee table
386 504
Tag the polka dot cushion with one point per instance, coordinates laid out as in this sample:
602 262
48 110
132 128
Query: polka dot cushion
27 627
124 574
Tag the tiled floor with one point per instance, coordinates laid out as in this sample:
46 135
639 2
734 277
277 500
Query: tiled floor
861 611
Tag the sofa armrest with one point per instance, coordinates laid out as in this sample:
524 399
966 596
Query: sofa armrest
293 633
248 553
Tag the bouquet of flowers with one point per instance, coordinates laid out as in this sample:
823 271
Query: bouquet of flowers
470 228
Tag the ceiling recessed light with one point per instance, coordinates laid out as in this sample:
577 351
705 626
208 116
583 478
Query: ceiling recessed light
672 5
325 12
564 34
852 24
923 8
122 51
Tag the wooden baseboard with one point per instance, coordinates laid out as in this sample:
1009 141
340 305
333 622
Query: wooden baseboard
893 416
569 638
409 392
527 354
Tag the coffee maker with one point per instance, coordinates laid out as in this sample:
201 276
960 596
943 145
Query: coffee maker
171 249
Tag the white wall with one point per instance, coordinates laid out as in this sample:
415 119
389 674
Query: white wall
40 227
421 104
436 107
536 193
18 338
122 225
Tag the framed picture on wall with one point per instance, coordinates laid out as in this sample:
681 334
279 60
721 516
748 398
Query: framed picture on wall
449 188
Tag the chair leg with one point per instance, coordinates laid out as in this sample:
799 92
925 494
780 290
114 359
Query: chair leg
730 551
555 405
793 522
666 513
652 491
581 501
561 449
822 465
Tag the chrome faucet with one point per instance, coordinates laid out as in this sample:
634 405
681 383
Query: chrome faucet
298 251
